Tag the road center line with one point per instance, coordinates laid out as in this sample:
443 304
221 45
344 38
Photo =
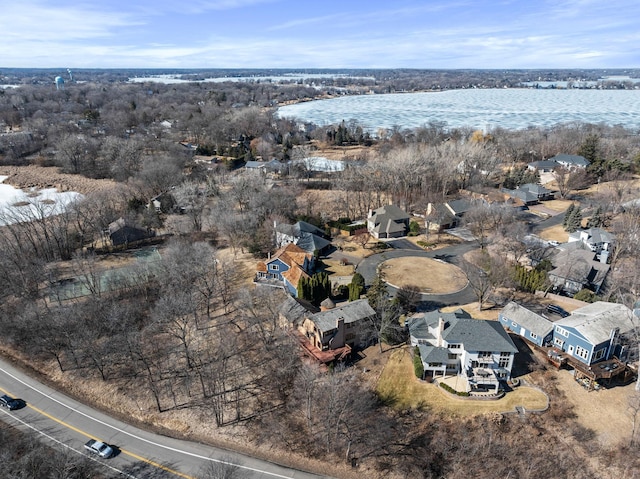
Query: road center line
198 456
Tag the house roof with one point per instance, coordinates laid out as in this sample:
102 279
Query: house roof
351 312
459 327
433 354
595 236
295 310
392 212
535 189
527 319
596 320
572 160
310 242
523 195
459 206
543 164
574 263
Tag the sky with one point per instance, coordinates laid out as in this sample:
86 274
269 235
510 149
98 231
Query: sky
441 34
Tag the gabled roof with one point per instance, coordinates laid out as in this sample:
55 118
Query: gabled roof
572 160
523 195
391 212
460 206
295 310
433 354
460 328
291 254
535 189
578 265
595 321
351 312
528 319
310 242
594 236
544 164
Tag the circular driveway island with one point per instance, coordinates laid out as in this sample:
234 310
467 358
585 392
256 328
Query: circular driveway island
429 275
368 268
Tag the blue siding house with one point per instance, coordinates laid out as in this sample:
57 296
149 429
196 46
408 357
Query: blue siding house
285 268
596 332
523 322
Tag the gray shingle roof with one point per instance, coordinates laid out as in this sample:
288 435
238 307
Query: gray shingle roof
351 312
433 354
596 320
474 334
527 319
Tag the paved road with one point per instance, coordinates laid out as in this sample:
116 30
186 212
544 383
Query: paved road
140 454
452 254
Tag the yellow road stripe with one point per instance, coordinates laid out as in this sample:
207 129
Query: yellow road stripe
79 431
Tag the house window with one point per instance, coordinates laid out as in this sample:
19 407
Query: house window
435 365
453 356
505 358
533 335
455 346
514 324
599 354
484 355
562 331
558 342
581 352
274 267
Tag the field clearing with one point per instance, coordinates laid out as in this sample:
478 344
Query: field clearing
555 233
429 275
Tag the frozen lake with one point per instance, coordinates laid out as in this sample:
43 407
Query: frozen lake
511 108
19 205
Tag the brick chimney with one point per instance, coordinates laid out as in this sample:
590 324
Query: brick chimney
440 331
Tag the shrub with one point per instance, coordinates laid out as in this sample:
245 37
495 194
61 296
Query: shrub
418 368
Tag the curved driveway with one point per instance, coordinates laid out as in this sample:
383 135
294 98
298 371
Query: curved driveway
453 254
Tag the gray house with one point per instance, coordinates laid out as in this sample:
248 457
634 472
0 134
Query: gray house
479 351
596 239
570 162
523 322
388 221
576 267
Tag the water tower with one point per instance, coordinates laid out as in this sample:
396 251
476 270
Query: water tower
59 81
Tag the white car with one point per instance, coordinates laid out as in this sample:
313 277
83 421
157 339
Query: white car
99 448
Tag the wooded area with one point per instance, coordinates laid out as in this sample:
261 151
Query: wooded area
186 332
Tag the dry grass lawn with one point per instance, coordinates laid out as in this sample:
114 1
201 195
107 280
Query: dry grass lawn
555 233
399 386
333 267
430 275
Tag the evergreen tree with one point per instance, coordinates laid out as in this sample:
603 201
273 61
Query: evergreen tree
567 214
596 220
574 222
356 287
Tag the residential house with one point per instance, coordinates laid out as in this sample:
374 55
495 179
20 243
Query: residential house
285 268
576 267
305 235
388 221
597 332
441 216
338 330
544 166
456 344
120 233
293 311
530 193
596 239
570 162
527 324
264 167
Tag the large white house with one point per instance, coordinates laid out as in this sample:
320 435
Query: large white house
456 344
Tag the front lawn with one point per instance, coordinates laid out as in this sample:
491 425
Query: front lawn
399 387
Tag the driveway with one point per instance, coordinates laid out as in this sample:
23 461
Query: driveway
453 254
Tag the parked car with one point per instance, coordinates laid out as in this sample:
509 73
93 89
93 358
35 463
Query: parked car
10 403
554 308
100 448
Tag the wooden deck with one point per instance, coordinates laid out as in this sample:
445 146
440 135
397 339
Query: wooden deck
324 357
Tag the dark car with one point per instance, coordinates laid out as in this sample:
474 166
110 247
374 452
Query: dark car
553 308
11 403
